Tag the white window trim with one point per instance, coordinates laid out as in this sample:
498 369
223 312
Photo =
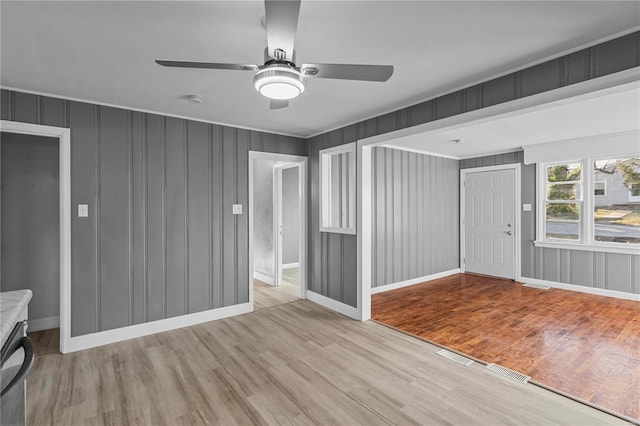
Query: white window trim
587 225
632 198
604 182
542 201
349 214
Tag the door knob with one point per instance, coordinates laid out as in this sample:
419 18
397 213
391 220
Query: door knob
509 232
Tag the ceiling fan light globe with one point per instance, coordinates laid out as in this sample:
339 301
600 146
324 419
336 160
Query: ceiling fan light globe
279 83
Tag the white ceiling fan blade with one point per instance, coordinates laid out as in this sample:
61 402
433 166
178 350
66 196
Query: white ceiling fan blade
348 71
207 65
281 18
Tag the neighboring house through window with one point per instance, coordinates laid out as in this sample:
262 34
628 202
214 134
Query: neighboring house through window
597 208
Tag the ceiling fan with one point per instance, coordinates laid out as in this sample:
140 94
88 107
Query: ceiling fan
280 79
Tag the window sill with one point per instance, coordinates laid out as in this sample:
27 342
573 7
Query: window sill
588 247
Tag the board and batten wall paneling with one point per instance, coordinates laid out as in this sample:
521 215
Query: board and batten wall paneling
160 240
415 219
612 56
610 271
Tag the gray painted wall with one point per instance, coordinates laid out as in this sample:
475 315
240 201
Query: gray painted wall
332 257
290 216
415 220
263 258
160 239
30 220
611 271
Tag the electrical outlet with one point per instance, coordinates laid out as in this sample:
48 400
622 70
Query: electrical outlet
83 210
237 209
526 207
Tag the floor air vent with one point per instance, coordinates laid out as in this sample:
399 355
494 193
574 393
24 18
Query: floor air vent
540 286
455 357
503 371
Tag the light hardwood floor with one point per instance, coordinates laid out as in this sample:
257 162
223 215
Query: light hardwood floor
267 296
585 345
296 364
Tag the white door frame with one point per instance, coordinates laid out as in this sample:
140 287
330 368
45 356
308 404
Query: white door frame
593 88
277 220
64 137
517 227
301 163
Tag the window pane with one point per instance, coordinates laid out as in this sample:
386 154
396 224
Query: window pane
562 221
563 191
563 212
562 230
617 212
571 172
599 188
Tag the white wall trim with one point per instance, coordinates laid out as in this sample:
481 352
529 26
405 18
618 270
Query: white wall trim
263 277
44 323
582 289
138 330
334 305
64 137
517 213
413 281
364 235
304 223
602 248
290 265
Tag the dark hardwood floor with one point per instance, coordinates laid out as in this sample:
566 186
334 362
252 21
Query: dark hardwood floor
584 345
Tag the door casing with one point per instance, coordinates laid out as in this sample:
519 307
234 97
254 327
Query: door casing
301 162
64 143
517 215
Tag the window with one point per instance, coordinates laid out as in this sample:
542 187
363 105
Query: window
596 209
634 192
616 216
563 201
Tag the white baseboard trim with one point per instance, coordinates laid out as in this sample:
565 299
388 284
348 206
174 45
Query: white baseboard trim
43 323
290 265
334 305
263 277
138 330
582 289
413 281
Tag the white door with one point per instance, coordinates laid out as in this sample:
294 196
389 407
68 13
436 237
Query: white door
489 198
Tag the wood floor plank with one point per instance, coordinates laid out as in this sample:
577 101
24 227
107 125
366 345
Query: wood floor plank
584 345
297 364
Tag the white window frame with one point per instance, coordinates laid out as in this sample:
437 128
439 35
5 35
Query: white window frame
604 184
542 201
587 224
348 212
632 198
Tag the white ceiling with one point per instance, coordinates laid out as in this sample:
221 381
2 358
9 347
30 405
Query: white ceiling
582 118
104 52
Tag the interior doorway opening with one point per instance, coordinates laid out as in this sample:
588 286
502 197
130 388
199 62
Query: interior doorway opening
278 229
47 239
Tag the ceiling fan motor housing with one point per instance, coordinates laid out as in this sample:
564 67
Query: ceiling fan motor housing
279 80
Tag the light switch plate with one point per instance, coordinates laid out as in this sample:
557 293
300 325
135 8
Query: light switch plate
83 210
526 207
237 209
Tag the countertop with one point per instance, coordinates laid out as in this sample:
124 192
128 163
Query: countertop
12 304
